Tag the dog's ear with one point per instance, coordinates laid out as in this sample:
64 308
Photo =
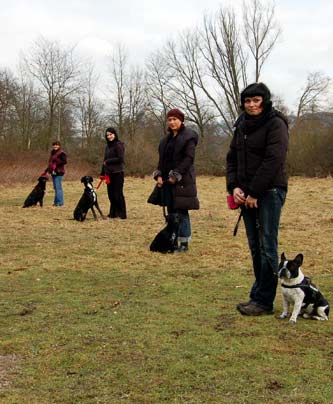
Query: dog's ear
299 259
91 179
283 257
83 179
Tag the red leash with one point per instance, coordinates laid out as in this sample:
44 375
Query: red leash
102 178
100 183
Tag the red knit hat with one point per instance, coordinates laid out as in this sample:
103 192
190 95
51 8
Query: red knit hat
176 113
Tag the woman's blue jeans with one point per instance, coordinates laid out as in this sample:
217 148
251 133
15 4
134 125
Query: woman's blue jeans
262 227
184 230
58 192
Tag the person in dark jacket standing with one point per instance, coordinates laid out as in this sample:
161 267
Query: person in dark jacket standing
256 177
176 175
56 168
113 173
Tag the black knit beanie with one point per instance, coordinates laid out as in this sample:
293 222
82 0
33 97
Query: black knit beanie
257 89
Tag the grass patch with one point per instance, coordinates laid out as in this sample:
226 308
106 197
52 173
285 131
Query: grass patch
89 315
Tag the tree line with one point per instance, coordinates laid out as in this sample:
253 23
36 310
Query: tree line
57 95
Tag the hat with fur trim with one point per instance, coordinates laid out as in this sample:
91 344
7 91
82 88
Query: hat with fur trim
176 113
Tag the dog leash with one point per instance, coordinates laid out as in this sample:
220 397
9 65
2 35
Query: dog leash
106 178
237 223
100 183
163 204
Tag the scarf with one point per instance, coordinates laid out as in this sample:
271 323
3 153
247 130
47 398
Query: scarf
53 160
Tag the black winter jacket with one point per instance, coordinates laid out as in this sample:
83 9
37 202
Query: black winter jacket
113 158
180 165
256 161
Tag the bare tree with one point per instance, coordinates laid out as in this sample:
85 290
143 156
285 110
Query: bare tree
136 101
280 104
225 64
205 70
6 104
261 31
56 71
118 68
158 93
183 61
315 88
89 109
29 110
127 89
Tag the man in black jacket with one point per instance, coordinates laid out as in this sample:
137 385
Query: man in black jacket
256 177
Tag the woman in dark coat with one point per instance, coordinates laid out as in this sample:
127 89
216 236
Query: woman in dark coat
113 173
176 176
257 179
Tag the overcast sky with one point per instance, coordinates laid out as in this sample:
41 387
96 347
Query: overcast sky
96 26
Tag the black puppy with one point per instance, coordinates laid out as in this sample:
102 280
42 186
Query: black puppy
88 201
166 240
37 194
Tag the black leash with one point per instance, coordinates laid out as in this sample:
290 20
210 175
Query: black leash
163 204
237 223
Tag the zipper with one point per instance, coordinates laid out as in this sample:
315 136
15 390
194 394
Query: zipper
245 155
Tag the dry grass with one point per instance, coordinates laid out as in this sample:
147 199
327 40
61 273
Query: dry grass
29 166
91 316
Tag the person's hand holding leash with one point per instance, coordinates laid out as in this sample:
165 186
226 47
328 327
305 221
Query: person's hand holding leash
159 181
251 202
239 196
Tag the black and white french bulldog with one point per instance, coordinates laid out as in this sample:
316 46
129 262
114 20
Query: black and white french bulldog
298 290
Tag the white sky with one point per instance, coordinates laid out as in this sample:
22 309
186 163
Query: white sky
96 26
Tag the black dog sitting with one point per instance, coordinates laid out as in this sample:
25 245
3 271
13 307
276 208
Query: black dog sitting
166 240
37 194
88 201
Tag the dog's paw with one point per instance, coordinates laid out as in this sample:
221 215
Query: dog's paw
292 322
283 316
319 318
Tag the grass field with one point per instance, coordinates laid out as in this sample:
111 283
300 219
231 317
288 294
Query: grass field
89 315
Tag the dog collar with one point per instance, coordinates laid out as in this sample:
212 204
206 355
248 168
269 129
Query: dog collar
292 286
306 283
